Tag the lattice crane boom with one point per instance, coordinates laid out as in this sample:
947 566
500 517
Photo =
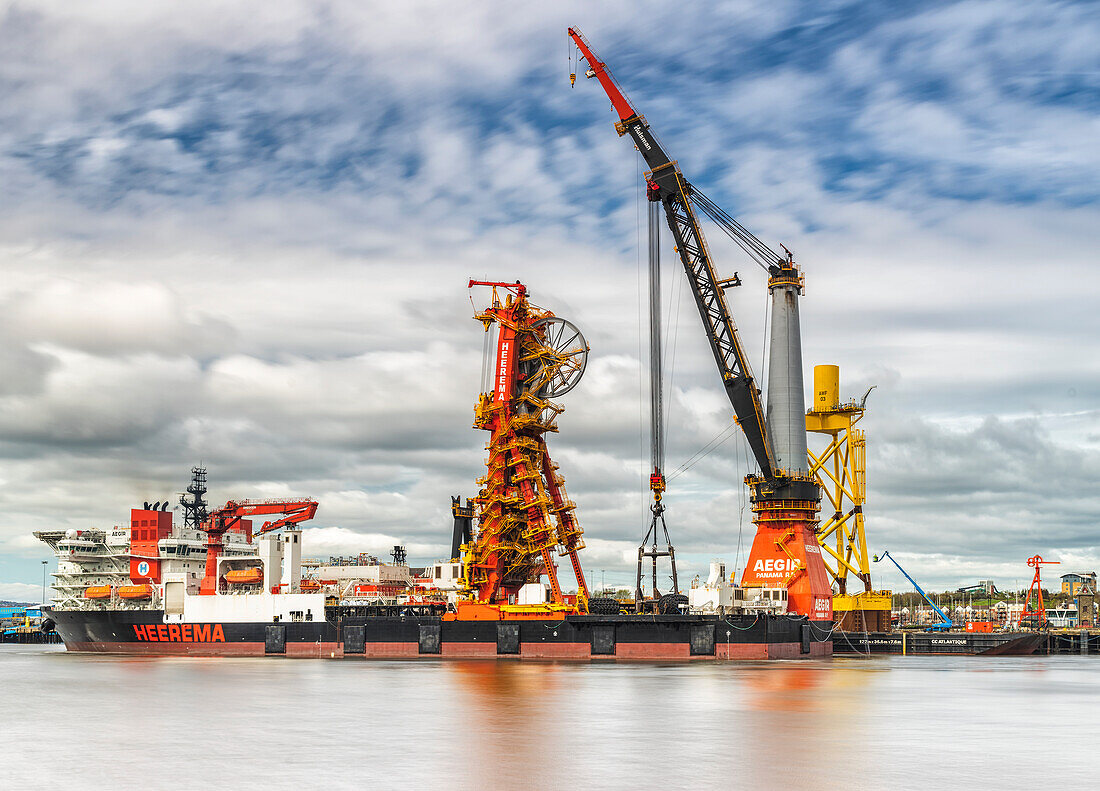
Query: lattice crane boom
666 184
785 498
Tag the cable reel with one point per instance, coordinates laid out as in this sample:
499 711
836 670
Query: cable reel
561 355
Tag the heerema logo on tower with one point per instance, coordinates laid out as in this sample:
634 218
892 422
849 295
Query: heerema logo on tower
502 369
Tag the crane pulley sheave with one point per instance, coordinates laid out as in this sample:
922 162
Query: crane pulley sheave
562 357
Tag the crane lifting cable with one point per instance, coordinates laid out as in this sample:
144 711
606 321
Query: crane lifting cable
650 546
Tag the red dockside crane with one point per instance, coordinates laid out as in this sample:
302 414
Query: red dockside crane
230 515
1038 616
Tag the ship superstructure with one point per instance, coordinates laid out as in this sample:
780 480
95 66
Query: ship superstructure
94 565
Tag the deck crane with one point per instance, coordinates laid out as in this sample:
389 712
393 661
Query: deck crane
945 620
1036 616
229 516
785 497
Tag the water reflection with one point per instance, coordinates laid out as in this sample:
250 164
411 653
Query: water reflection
783 688
294 724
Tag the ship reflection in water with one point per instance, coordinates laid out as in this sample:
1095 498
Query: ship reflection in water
250 723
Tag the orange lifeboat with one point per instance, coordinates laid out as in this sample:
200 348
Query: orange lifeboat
135 591
244 576
98 592
310 585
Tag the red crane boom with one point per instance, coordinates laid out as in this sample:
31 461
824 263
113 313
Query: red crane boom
295 511
1039 615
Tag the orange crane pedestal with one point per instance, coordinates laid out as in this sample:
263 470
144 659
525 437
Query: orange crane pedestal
786 554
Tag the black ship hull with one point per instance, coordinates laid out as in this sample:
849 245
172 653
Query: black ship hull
936 643
347 634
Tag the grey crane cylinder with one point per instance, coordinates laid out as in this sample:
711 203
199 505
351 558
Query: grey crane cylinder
786 399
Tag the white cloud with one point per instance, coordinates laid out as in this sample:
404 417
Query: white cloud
22 592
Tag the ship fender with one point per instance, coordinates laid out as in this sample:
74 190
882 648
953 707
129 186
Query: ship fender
430 638
275 639
671 603
355 639
507 638
603 606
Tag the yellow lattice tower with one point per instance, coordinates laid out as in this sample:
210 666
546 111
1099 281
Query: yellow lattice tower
841 470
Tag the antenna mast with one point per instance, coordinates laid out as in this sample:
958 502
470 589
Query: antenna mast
195 511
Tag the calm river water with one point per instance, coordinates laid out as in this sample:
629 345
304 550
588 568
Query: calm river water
71 721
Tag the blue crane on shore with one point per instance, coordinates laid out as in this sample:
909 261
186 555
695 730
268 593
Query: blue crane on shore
946 622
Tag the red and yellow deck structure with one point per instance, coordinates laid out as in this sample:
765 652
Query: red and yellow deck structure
523 513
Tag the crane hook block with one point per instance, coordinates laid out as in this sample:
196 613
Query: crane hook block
572 78
653 191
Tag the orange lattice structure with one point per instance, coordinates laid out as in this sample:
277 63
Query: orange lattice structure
524 516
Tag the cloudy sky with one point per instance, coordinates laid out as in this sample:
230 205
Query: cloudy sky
241 234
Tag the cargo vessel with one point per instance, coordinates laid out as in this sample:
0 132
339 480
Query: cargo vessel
144 589
509 599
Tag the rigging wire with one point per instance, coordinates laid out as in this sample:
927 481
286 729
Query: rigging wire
763 255
719 439
643 481
656 363
674 305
